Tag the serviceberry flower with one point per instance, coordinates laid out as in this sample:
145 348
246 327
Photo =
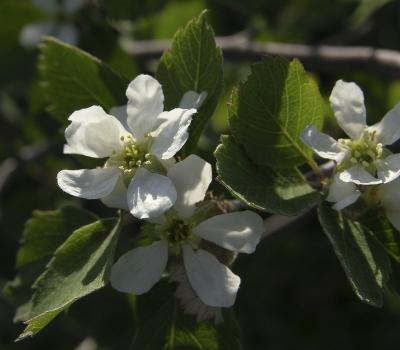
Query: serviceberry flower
388 196
32 34
140 145
180 234
362 159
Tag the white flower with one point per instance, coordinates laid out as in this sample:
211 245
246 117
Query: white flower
32 34
139 145
389 196
180 234
362 159
342 193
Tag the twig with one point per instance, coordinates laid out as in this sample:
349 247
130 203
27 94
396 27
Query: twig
316 58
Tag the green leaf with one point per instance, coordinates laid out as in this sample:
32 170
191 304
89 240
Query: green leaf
276 191
364 260
72 79
194 63
162 325
269 111
79 267
43 234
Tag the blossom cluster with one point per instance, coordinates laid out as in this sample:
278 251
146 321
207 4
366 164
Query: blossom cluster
365 168
140 174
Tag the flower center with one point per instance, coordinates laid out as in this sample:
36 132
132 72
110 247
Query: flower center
364 151
133 156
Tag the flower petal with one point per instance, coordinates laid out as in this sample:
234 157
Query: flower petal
347 101
387 131
358 175
150 194
172 134
93 133
192 99
145 104
389 194
214 283
191 178
322 144
32 34
389 168
73 6
66 33
139 269
239 232
121 114
49 6
88 183
118 197
342 193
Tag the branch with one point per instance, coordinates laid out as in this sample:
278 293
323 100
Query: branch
316 58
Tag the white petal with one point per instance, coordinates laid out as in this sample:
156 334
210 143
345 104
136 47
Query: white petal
88 183
172 134
214 283
389 168
394 218
359 176
239 232
121 114
322 144
139 269
342 193
93 133
389 194
347 101
32 34
150 194
387 131
191 99
145 104
191 178
118 197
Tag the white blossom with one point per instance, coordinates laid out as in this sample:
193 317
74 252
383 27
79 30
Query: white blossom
389 197
140 142
180 234
362 159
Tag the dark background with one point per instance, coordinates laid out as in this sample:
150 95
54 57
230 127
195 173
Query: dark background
294 294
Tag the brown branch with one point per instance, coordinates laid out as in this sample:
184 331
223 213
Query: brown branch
315 58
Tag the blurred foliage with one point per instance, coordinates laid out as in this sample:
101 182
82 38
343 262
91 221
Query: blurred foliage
294 294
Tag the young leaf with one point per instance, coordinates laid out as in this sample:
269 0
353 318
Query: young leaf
79 267
282 192
162 325
364 260
73 79
43 234
194 63
269 111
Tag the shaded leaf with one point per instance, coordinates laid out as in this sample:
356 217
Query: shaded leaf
79 267
72 79
194 63
363 259
43 234
276 191
162 325
271 108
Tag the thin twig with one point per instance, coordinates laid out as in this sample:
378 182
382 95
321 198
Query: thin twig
316 58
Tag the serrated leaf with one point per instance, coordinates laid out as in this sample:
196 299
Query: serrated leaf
79 267
162 325
193 63
72 79
43 234
363 259
269 111
282 192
